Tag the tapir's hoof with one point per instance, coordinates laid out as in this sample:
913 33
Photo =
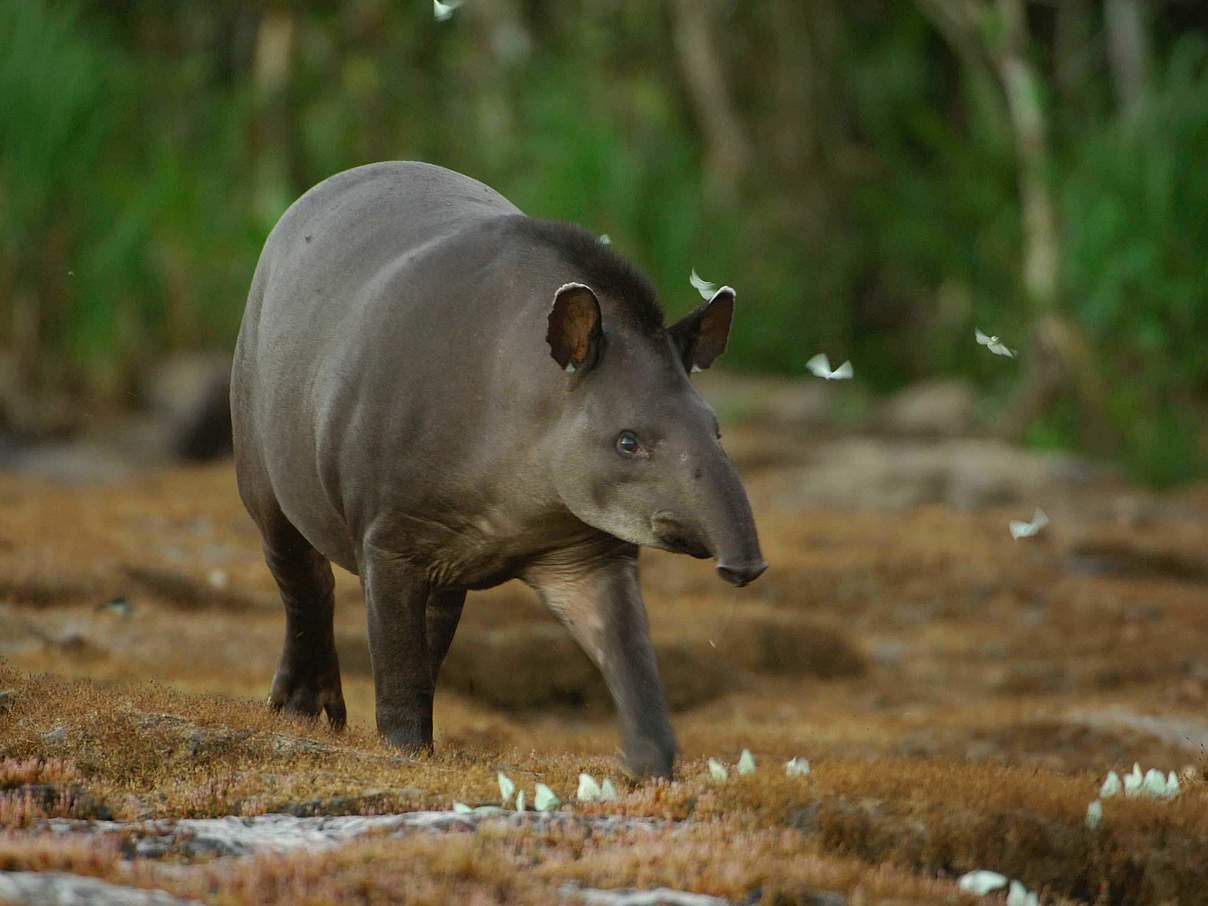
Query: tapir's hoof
649 759
308 696
406 732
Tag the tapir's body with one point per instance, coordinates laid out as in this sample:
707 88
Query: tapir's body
396 411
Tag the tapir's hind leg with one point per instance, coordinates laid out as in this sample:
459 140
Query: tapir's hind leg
308 676
396 601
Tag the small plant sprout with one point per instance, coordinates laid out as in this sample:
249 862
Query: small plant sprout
608 793
981 882
545 800
704 287
520 801
1021 529
443 11
746 762
589 790
506 787
797 767
993 344
1111 786
717 770
1094 814
819 366
461 808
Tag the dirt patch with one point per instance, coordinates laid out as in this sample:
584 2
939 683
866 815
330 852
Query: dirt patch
784 646
537 666
190 593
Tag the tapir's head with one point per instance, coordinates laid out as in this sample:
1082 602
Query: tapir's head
638 451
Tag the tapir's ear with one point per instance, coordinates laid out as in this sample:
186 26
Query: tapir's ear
701 336
575 335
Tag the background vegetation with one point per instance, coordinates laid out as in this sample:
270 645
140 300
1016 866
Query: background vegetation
875 178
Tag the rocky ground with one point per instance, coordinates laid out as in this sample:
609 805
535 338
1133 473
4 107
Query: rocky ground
959 695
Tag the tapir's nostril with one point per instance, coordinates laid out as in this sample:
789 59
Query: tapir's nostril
738 576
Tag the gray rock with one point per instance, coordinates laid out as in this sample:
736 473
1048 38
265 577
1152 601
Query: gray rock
868 473
661 896
931 409
190 393
57 888
278 833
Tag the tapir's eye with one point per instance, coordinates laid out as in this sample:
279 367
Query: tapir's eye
627 443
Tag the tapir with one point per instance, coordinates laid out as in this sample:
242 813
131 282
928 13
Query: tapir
439 394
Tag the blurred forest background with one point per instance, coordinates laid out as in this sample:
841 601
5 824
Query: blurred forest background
875 178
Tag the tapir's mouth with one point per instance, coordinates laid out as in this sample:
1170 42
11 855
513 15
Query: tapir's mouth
672 536
685 546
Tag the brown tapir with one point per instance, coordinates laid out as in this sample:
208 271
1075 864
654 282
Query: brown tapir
439 394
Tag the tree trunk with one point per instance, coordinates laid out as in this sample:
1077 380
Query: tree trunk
728 152
1128 53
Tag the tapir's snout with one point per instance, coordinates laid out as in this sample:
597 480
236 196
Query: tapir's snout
740 575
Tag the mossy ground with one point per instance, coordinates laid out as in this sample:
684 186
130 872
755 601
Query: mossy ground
959 695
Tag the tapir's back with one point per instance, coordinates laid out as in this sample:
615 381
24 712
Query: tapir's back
350 302
349 226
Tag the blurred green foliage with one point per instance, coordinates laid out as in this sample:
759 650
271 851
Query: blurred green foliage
146 148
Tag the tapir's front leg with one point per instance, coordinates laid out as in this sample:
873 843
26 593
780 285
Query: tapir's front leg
396 598
599 600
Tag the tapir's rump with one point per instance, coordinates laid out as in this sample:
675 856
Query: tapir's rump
439 393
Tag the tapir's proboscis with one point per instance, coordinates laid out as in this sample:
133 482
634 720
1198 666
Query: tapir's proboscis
439 393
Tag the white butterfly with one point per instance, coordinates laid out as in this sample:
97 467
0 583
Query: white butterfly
506 787
605 239
1111 786
589 790
746 762
704 287
820 365
993 344
520 801
443 11
1019 896
1027 529
797 767
1154 784
1172 785
981 882
717 770
545 800
461 808
1133 781
608 792
1094 814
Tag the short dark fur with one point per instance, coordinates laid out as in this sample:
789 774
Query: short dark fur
607 272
